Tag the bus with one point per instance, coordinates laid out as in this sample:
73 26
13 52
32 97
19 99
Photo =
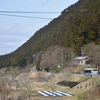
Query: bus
90 71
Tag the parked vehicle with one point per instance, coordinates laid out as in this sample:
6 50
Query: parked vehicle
98 72
90 71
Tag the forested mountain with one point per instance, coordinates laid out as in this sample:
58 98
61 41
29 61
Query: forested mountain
78 25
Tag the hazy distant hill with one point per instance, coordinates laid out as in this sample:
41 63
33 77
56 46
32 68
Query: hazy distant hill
77 25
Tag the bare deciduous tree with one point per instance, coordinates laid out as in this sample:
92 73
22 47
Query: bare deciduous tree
52 83
26 89
7 80
93 52
56 56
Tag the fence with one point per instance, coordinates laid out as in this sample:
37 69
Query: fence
80 86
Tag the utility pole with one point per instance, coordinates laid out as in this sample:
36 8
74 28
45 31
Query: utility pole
82 53
72 60
49 58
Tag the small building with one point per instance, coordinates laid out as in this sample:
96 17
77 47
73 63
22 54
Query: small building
90 71
83 60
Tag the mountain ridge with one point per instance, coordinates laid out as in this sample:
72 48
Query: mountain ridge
60 31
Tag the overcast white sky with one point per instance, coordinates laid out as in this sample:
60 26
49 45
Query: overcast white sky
14 31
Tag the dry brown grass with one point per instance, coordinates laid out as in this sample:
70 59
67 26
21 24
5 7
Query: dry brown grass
19 76
79 68
93 94
43 86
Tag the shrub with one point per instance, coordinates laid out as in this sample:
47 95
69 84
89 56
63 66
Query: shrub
81 96
56 69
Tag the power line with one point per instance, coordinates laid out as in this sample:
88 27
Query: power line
25 12
25 16
48 12
5 13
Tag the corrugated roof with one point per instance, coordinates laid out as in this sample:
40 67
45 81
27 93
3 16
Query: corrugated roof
90 69
81 58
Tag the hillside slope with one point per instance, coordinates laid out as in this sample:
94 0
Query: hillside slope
61 31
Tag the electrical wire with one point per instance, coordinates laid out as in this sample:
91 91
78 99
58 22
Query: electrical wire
48 12
25 16
5 13
25 12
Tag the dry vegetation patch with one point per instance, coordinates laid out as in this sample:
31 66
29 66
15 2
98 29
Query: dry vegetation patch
79 68
36 85
19 76
93 94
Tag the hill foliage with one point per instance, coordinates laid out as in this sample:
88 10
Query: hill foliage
78 25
